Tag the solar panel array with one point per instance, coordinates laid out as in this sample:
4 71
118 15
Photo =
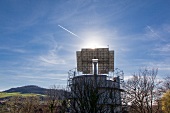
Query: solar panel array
104 56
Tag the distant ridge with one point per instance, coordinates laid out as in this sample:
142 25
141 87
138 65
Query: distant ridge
28 89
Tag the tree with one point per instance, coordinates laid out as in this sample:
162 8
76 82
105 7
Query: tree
142 93
52 98
20 104
30 104
165 85
56 99
166 102
14 105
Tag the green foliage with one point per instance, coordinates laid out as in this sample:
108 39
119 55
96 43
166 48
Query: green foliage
4 94
166 102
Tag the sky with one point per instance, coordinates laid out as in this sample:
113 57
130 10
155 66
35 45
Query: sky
39 38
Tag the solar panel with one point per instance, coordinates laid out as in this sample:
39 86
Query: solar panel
104 56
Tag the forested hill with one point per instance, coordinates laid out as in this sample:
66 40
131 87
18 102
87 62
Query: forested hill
28 89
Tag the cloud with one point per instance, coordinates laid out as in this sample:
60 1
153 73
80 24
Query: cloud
52 48
13 49
52 57
163 66
166 28
45 76
163 48
128 77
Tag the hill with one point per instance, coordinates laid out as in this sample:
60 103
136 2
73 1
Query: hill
31 90
28 89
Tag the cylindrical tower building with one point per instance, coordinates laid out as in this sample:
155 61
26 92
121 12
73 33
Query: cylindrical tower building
93 91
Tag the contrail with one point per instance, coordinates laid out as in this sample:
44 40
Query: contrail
153 32
150 29
68 31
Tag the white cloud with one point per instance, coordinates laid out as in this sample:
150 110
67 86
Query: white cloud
128 77
162 66
51 59
52 56
13 49
163 48
45 76
166 28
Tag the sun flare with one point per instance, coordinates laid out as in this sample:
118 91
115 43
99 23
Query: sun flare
93 40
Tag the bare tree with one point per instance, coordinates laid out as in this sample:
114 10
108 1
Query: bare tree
165 85
56 99
53 96
20 104
94 94
14 104
142 93
30 104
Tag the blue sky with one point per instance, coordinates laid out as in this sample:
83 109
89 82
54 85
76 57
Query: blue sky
36 50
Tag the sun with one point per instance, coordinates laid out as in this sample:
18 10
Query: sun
93 42
93 38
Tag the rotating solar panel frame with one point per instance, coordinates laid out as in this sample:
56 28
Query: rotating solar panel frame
104 56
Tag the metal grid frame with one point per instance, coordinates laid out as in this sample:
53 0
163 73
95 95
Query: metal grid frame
104 56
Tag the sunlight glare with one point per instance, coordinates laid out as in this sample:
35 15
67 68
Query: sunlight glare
93 40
